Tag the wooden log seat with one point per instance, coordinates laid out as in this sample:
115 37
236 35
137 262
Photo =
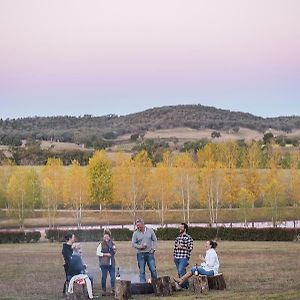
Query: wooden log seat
162 286
123 290
216 282
198 284
79 291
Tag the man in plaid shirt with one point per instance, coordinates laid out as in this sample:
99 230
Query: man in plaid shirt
182 251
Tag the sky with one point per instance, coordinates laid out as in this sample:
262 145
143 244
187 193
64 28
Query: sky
76 57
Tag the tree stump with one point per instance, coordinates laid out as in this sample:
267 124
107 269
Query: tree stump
162 286
198 284
79 292
123 289
216 282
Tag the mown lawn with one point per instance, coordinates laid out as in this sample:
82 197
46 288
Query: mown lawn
253 270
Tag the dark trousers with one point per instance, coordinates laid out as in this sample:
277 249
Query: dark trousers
66 272
111 270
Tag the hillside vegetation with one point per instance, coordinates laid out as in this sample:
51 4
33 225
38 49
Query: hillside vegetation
88 129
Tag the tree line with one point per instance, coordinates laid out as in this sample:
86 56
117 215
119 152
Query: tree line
222 175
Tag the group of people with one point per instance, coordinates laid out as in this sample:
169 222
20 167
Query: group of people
144 241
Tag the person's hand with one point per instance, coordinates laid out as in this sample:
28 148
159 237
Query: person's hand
107 254
152 251
201 257
144 246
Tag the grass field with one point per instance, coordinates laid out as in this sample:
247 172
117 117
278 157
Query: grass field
253 270
119 217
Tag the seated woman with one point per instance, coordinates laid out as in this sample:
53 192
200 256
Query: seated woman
209 265
77 265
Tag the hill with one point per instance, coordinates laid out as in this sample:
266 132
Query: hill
89 130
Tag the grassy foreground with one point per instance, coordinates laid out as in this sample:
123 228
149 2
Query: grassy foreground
255 270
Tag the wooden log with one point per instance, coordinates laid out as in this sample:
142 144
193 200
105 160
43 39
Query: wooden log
198 284
162 286
123 289
140 288
216 282
79 292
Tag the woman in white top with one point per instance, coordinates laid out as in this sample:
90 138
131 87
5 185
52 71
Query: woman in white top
209 264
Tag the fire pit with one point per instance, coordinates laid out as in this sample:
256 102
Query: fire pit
139 288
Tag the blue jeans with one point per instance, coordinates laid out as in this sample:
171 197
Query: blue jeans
181 264
202 271
143 258
112 274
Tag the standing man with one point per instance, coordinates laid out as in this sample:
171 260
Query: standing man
145 241
67 252
182 251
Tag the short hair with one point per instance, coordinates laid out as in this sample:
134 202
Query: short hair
139 221
213 244
68 236
186 227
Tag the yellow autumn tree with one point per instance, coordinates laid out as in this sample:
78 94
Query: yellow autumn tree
23 191
161 185
76 189
228 157
52 186
131 177
210 185
185 181
6 169
100 179
293 185
252 187
273 189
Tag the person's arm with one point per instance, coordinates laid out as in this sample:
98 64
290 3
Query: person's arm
99 250
190 244
154 240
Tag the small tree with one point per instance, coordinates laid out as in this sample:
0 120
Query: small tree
100 179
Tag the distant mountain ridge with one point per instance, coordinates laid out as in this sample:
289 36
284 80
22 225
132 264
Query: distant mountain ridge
87 127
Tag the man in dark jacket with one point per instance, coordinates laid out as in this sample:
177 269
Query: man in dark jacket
67 252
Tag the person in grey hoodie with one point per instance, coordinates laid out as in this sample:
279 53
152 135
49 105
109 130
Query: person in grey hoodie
145 241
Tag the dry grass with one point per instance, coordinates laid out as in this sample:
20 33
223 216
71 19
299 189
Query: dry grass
119 217
256 270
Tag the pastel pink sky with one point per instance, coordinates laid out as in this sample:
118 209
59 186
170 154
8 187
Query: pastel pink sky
77 57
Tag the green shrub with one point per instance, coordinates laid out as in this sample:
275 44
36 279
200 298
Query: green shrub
12 236
231 234
88 235
32 236
197 233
